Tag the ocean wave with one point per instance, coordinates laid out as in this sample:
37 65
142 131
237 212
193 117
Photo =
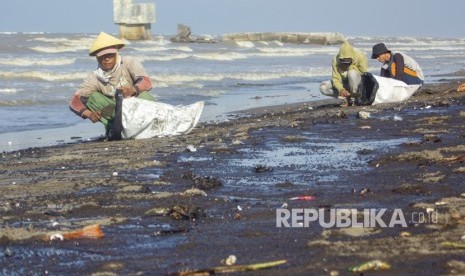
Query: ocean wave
87 40
59 49
159 40
26 33
164 58
43 75
289 52
20 102
417 44
161 49
63 44
448 56
36 61
245 44
419 51
182 79
229 56
10 90
53 40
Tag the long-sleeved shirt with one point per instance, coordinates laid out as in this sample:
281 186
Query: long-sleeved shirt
129 73
404 68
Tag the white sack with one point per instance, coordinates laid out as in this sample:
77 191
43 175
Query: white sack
392 90
147 119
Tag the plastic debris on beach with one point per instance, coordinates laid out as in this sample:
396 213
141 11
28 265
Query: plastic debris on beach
88 232
397 118
364 115
371 265
230 260
191 148
308 198
405 234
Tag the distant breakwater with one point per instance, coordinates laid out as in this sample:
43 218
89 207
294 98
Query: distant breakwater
184 36
297 38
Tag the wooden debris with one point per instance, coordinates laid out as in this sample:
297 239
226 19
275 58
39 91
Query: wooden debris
454 245
232 268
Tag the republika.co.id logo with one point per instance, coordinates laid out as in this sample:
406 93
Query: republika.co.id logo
342 218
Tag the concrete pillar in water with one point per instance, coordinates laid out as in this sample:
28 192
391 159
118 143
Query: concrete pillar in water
134 20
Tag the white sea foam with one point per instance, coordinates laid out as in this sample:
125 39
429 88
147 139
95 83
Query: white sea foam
184 79
158 40
226 56
448 56
62 44
295 52
163 48
10 90
53 40
29 102
59 49
37 61
164 58
245 44
231 56
43 75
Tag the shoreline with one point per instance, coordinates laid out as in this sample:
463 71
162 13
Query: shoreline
406 156
84 131
216 110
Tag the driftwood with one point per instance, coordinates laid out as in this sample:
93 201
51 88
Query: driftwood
232 268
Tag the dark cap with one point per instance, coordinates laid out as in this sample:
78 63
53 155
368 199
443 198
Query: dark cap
345 60
379 49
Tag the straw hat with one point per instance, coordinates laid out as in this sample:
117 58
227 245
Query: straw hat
103 41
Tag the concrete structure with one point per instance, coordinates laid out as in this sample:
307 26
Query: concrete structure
184 36
134 20
298 38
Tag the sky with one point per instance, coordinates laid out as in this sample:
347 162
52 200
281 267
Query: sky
435 18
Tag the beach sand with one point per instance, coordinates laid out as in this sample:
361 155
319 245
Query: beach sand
166 209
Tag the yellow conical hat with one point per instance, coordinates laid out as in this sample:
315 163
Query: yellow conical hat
105 40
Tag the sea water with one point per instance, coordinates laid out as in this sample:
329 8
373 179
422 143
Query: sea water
39 73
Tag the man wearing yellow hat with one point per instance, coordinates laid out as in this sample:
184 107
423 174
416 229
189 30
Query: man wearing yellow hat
95 99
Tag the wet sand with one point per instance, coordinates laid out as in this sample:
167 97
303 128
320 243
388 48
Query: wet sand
164 209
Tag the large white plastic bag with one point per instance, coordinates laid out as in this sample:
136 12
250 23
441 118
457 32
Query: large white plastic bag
147 119
392 90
